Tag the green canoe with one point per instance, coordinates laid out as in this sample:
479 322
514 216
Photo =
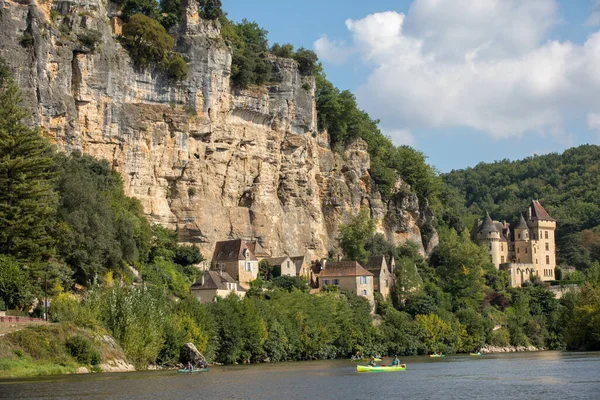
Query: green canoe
437 355
392 368
187 371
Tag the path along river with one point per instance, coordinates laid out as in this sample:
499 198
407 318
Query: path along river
543 375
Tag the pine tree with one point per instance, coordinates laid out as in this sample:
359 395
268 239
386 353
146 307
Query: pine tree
27 198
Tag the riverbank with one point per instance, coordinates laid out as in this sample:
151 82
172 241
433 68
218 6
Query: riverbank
53 349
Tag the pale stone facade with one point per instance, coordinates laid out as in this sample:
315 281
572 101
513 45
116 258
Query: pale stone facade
234 257
349 276
526 251
212 284
284 265
382 276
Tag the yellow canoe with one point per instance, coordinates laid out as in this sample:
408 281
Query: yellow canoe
391 368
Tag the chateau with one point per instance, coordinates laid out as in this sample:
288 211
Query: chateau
527 250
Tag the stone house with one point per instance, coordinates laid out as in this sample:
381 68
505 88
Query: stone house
302 267
257 249
523 252
235 258
349 276
284 265
212 284
382 276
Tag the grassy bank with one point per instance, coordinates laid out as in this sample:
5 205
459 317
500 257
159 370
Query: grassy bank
55 349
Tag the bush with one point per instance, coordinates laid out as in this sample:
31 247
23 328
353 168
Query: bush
26 39
82 350
90 38
210 9
174 68
308 62
146 40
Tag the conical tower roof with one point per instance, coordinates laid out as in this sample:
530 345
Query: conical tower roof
487 224
522 224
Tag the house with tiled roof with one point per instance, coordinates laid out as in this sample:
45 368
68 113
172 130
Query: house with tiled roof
348 276
526 251
213 284
235 258
382 277
302 266
282 265
257 249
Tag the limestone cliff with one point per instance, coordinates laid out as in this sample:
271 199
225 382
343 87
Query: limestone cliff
210 160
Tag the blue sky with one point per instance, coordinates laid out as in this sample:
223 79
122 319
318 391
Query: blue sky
464 83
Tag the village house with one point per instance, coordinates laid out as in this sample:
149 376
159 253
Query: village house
212 284
382 276
302 267
526 251
235 258
284 266
257 249
349 276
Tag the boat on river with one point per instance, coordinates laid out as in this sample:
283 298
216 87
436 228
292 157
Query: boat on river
475 354
193 371
380 368
437 355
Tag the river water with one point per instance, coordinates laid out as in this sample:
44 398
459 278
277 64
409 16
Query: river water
543 375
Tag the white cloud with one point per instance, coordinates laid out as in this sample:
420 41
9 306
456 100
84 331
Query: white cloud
333 52
594 19
480 64
401 136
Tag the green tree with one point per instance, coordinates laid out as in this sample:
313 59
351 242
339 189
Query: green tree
15 289
308 62
285 50
210 9
27 198
171 13
354 236
146 40
149 8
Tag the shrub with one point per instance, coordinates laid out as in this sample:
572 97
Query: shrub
82 350
26 39
149 8
308 62
174 68
90 38
146 40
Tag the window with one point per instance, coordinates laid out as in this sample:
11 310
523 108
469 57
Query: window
288 265
534 250
364 292
502 259
547 246
336 282
326 282
546 235
519 236
364 280
536 260
386 283
525 250
502 246
518 250
534 236
248 266
547 259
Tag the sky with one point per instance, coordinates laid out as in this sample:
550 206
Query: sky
463 81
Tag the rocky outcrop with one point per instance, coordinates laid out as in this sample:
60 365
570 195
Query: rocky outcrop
488 349
189 353
212 161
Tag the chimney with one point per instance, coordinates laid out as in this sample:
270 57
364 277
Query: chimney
202 280
323 262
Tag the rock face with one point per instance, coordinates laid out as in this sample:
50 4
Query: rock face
210 160
189 353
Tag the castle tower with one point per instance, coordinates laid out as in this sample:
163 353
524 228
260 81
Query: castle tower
542 228
488 235
522 244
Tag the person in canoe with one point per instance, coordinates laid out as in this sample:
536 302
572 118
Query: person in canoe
189 367
372 361
396 361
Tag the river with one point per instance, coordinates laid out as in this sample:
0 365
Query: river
542 375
